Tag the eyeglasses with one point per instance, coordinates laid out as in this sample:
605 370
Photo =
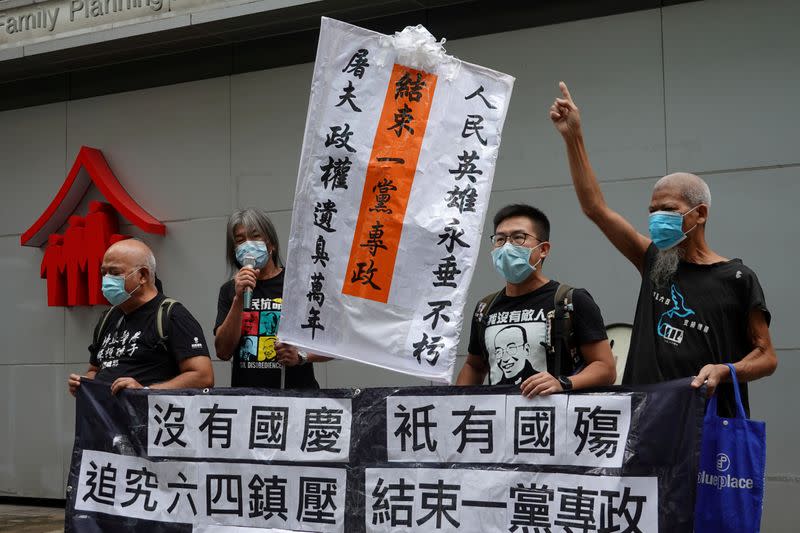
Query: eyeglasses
517 239
510 350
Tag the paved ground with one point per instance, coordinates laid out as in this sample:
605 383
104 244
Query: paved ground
24 519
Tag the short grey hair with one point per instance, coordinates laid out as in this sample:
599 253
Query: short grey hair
149 261
694 190
252 220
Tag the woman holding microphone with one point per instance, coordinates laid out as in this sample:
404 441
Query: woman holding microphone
249 310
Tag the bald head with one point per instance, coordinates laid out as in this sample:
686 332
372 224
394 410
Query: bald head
692 189
128 255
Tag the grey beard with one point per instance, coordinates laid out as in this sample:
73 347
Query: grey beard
665 266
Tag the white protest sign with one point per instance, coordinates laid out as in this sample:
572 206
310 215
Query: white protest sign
396 169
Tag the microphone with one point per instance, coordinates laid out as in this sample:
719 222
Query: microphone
249 261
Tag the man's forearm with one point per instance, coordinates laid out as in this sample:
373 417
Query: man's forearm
192 379
595 374
583 178
470 375
759 363
762 360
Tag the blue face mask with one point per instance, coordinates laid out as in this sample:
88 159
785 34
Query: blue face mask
514 262
114 288
256 249
666 228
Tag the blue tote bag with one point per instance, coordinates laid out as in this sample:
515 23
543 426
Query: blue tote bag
730 478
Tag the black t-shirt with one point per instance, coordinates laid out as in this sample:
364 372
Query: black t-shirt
700 318
517 325
254 363
129 345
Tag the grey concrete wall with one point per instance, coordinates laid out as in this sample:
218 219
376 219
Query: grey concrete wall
708 87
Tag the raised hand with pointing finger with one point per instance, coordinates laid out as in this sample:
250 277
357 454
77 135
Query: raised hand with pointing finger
565 114
718 296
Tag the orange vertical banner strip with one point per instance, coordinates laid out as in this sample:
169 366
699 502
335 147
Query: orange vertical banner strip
387 188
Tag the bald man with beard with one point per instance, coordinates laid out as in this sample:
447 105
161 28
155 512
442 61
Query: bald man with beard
697 310
129 352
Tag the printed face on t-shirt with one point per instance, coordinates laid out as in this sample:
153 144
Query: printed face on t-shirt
513 343
259 330
250 323
249 348
268 324
511 350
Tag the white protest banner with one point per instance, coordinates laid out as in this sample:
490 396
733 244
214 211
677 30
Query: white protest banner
475 501
587 430
255 428
205 493
395 174
384 459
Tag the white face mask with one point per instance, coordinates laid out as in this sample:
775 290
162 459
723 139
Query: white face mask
666 228
257 249
514 262
114 288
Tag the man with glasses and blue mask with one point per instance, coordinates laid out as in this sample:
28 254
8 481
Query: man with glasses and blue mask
511 338
146 339
697 310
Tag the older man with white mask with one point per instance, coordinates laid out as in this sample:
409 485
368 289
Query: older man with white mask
697 310
145 340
